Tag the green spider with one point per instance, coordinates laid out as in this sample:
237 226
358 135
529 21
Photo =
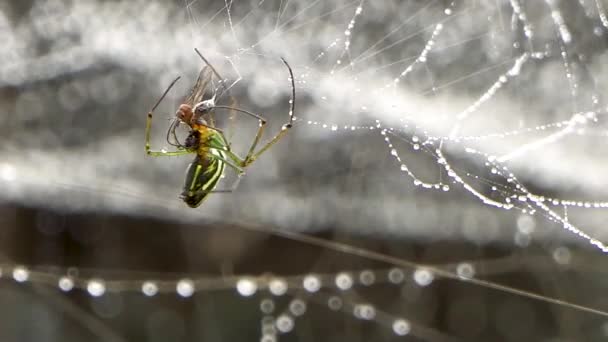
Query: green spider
211 147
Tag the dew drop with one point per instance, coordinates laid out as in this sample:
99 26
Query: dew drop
246 287
401 327
285 323
396 275
185 288
65 284
344 281
149 288
277 287
297 307
21 274
96 287
423 277
311 283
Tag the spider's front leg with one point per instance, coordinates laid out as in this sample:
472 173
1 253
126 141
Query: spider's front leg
252 155
158 153
149 128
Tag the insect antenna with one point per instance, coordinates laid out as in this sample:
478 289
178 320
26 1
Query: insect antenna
165 93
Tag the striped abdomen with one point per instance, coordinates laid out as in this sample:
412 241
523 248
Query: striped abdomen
202 176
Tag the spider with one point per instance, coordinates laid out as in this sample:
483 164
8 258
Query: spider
212 149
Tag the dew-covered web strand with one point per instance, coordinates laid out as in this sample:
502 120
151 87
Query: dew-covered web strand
194 23
567 129
422 56
280 11
187 286
347 39
270 34
602 13
228 7
513 72
485 97
362 55
417 143
524 196
559 125
520 16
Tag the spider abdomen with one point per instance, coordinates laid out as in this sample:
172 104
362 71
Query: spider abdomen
202 177
206 169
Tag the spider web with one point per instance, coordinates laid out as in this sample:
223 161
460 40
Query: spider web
468 121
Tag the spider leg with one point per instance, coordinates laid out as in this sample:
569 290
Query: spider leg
159 153
251 158
232 164
149 128
235 161
252 155
231 189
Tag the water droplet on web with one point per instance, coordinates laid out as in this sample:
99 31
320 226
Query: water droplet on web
297 307
246 287
268 338
334 303
423 277
267 306
21 274
65 284
149 288
96 287
344 281
185 288
285 323
277 287
401 327
396 276
311 283
364 311
562 255
367 277
465 270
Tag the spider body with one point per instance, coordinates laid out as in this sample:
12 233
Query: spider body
206 169
212 149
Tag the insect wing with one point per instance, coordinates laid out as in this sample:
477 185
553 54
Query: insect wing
198 91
